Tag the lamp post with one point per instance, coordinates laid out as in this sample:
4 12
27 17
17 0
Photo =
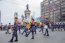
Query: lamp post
54 20
0 17
49 9
60 11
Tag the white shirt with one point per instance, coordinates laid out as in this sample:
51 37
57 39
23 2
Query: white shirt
45 27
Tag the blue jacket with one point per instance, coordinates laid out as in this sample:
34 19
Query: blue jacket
16 27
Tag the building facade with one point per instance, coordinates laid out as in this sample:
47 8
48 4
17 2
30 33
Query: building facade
62 10
54 10
27 13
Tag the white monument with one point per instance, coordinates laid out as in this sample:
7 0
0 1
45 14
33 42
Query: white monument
27 13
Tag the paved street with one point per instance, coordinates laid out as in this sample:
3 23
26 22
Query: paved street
55 37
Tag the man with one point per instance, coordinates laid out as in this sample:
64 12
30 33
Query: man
15 32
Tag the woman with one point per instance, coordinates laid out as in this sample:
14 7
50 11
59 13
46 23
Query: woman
32 29
46 30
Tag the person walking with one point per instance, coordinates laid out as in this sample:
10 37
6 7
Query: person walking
19 27
46 30
25 29
15 33
41 26
32 29
35 28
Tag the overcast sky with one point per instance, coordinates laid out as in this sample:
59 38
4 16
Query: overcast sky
8 7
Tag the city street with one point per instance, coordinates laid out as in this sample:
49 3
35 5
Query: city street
55 37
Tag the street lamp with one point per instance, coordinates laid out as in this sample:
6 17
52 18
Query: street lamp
0 17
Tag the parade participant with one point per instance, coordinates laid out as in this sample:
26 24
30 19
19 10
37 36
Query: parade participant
41 26
25 29
32 29
46 30
28 25
35 27
15 32
19 27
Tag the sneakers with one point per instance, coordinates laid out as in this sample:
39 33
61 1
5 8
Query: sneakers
21 33
32 38
11 41
15 40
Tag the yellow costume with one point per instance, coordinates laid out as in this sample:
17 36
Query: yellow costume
28 25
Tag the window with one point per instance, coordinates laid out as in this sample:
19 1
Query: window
55 0
63 3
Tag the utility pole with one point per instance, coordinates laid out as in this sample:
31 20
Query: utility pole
53 12
49 8
0 17
60 11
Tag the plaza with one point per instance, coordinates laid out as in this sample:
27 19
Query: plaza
55 37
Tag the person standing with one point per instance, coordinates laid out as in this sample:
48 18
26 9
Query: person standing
9 29
64 26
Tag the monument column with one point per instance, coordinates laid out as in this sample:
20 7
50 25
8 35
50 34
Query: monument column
27 13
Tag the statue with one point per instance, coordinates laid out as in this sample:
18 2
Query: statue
27 6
